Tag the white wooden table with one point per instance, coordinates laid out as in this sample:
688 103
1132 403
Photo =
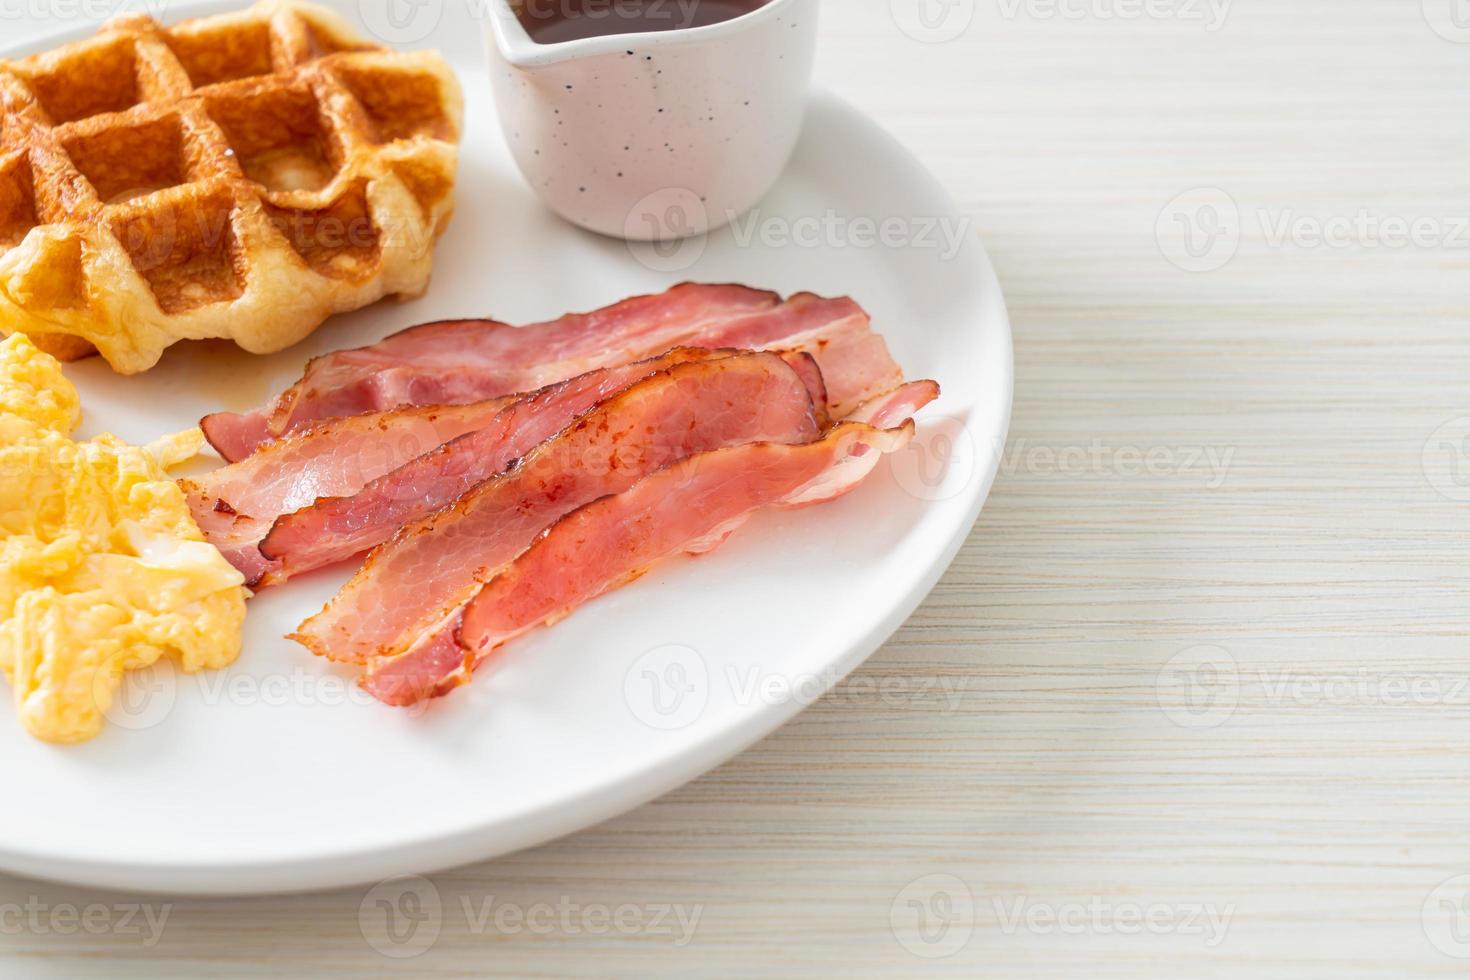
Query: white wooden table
1194 700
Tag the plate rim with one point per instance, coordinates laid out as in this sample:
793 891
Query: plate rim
598 801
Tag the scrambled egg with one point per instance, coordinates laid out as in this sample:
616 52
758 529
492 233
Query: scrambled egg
102 569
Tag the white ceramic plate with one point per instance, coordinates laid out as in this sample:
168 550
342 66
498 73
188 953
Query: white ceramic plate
277 775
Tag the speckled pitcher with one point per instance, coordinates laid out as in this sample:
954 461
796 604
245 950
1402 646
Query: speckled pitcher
655 136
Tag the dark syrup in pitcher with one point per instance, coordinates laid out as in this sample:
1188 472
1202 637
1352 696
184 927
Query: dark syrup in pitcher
552 21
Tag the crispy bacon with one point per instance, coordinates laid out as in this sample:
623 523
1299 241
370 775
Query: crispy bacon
463 360
688 507
410 585
454 361
854 360
336 528
235 505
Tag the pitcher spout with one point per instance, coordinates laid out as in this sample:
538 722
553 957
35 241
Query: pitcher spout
510 38
517 48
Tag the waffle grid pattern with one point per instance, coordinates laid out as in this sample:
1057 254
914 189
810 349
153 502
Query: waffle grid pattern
240 176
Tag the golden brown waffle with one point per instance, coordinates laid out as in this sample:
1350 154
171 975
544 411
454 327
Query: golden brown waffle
240 176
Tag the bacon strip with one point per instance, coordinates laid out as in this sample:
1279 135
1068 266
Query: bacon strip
854 360
336 528
457 361
409 586
235 505
688 507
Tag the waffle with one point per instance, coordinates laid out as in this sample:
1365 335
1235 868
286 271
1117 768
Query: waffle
241 176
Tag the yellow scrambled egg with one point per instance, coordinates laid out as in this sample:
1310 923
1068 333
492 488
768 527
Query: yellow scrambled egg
102 569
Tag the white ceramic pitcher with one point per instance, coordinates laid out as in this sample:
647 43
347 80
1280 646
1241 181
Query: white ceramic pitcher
655 136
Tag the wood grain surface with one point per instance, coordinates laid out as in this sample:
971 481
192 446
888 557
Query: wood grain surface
1194 699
